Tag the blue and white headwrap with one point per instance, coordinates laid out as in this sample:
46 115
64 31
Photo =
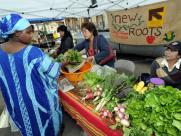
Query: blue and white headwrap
11 23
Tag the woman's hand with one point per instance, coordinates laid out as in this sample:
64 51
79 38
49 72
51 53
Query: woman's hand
90 59
64 64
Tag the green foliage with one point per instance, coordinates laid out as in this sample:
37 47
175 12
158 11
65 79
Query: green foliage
92 79
60 58
73 56
111 85
158 111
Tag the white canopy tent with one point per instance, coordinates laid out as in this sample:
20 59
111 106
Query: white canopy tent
66 8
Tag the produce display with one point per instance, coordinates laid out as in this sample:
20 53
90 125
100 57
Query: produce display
133 106
60 58
105 93
157 112
72 56
75 60
140 87
137 107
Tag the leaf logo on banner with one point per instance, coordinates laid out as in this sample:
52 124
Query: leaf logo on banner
169 36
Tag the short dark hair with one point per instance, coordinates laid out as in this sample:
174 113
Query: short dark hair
33 28
90 27
62 28
66 32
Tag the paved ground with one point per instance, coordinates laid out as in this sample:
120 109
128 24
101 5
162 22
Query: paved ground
71 128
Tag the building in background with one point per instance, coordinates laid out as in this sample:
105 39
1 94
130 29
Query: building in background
100 21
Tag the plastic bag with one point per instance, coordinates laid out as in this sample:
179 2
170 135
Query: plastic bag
103 70
14 128
4 119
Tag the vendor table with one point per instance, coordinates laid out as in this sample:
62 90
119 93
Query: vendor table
83 113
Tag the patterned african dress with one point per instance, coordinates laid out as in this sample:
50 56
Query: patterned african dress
28 80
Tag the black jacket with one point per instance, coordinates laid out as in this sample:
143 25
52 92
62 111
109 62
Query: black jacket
65 45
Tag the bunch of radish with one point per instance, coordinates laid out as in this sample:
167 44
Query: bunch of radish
91 94
98 90
121 117
104 113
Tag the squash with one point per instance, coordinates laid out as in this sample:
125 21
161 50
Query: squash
135 86
140 86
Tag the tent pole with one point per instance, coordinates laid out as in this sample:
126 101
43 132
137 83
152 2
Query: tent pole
38 33
46 37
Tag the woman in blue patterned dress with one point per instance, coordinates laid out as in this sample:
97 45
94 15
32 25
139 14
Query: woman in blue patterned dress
28 80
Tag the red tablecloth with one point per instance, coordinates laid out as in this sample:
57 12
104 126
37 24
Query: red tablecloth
85 116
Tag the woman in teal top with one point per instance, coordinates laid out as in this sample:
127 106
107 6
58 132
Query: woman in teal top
28 80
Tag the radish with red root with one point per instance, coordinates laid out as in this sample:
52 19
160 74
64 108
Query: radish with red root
105 113
121 117
88 96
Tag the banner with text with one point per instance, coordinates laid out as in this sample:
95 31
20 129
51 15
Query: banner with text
153 24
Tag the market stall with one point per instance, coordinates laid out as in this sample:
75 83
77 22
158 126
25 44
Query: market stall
155 112
82 112
85 115
106 103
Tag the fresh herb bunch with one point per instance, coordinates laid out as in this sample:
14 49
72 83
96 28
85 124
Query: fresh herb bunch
60 58
73 56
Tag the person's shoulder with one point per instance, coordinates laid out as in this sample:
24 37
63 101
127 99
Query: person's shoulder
100 36
69 38
35 51
157 62
159 59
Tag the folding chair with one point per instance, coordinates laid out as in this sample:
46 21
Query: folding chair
125 66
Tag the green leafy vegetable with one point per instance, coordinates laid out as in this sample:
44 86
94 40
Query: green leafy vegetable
157 111
73 56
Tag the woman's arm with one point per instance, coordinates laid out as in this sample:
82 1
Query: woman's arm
103 47
80 46
44 64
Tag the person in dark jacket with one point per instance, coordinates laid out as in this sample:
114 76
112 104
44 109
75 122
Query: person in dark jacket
168 67
96 46
66 39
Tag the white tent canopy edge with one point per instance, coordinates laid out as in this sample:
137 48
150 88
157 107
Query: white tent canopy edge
66 8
